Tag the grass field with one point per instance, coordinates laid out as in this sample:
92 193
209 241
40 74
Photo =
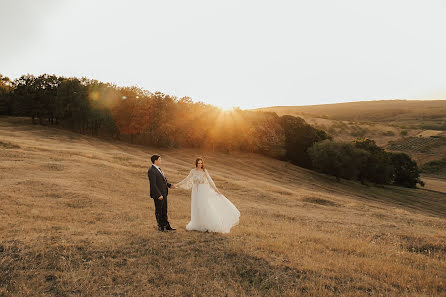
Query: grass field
76 220
401 113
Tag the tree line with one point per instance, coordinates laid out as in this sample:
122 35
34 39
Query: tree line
138 116
363 160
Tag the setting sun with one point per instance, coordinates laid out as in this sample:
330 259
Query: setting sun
227 108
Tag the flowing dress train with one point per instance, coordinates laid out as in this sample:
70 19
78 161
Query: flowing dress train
210 210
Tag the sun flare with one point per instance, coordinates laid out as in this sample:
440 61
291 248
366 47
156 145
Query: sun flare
227 108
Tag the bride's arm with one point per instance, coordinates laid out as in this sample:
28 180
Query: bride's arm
185 183
211 182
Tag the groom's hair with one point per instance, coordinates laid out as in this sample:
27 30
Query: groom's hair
154 158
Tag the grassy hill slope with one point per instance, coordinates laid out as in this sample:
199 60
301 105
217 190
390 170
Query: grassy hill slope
415 127
76 220
393 111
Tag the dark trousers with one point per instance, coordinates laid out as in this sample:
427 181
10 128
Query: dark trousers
161 212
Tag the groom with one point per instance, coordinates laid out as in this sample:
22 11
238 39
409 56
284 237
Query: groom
158 191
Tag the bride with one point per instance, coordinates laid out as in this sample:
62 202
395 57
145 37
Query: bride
210 210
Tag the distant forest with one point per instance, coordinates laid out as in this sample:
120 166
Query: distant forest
142 117
138 116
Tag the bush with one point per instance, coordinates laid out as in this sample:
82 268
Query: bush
359 131
388 133
435 167
406 172
343 160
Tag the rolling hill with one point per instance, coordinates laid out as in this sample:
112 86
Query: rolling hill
76 220
415 127
397 112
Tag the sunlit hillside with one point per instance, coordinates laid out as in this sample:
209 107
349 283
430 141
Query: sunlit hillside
416 127
403 113
76 220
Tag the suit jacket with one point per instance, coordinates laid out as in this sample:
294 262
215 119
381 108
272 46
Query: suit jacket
158 184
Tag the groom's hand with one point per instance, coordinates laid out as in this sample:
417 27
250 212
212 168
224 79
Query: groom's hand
173 187
160 197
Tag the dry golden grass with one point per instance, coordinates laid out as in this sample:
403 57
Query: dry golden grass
76 220
430 133
376 131
397 112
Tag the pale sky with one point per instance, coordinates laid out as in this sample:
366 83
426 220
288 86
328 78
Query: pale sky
235 53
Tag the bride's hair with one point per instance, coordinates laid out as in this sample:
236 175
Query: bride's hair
196 163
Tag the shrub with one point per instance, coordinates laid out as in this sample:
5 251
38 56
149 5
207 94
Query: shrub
406 172
435 167
388 133
358 131
340 159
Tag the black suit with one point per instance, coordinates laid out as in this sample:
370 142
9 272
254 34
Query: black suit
159 187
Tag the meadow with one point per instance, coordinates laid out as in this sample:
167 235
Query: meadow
408 114
76 220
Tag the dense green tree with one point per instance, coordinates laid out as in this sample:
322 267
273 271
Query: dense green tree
378 166
299 137
406 172
23 96
73 105
362 159
5 89
265 134
343 160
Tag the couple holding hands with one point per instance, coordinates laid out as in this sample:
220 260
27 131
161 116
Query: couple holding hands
210 209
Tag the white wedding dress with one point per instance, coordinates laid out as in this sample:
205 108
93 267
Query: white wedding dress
210 210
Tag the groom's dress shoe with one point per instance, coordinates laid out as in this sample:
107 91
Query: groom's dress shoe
170 228
161 228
